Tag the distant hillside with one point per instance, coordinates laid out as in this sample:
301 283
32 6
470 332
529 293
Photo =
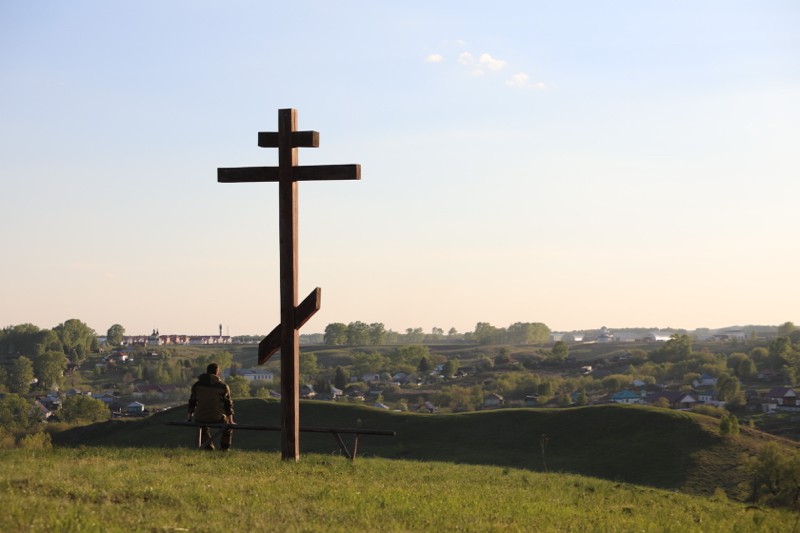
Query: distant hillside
648 446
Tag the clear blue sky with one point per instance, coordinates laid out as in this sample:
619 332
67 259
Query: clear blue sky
576 163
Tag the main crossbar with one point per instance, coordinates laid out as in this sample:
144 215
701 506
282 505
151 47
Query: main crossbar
299 173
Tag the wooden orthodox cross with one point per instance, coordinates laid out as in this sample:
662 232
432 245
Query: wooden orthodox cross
286 337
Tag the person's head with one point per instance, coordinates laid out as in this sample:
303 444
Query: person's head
212 369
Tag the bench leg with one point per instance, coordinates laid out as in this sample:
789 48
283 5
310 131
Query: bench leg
342 445
203 443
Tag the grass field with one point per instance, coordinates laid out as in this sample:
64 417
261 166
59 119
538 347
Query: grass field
648 446
107 489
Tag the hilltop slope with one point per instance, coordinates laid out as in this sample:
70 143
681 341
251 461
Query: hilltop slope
643 445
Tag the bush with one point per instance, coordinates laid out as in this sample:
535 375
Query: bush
36 441
774 477
710 410
79 408
6 440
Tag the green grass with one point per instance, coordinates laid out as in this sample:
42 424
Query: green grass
88 489
647 446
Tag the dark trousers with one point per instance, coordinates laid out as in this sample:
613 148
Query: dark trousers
224 442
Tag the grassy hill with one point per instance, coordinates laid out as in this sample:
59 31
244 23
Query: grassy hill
642 445
108 490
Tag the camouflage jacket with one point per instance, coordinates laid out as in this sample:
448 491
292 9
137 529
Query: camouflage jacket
211 399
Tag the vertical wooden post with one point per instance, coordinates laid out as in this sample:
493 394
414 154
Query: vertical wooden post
290 336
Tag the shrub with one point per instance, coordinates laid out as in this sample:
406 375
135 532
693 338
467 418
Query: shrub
36 441
709 410
774 477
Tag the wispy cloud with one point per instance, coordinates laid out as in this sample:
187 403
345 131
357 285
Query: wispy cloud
478 66
523 81
486 64
491 62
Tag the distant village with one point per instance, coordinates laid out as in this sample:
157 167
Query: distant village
156 339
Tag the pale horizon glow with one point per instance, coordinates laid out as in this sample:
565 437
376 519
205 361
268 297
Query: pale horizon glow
599 164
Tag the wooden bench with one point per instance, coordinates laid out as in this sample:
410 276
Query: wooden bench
336 432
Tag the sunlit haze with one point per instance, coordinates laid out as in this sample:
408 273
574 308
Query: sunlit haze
581 164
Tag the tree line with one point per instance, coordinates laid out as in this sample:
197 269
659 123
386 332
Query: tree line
362 334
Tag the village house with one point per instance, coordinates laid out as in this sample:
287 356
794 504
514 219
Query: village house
159 392
709 397
705 380
783 399
731 335
256 374
156 339
627 397
52 402
493 400
676 399
135 409
426 407
657 336
107 397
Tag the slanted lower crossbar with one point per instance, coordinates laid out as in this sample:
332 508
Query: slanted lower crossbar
337 433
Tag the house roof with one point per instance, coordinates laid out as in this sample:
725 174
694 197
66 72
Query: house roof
781 392
625 395
673 396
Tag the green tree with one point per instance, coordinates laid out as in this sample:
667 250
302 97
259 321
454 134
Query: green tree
725 426
115 335
357 334
240 387
409 354
560 351
780 350
545 390
734 425
27 339
336 334
341 379
774 477
20 375
742 365
377 333
308 365
786 329
77 339
503 356
728 388
677 348
583 398
424 365
616 382
414 336
49 368
450 368
486 334
760 356
223 358
528 333
17 413
368 363
83 409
